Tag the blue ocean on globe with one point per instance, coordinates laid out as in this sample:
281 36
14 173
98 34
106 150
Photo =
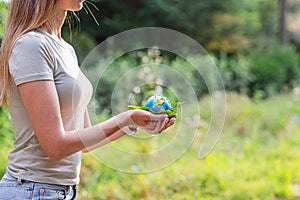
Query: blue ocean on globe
158 103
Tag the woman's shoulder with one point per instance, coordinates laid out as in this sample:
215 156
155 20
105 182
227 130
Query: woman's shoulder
31 39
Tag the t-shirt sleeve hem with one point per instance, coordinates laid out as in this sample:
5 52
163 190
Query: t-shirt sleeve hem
35 77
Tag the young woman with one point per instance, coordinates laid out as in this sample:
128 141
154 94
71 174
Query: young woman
48 97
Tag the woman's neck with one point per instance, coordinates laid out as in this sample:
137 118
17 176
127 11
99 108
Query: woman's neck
54 25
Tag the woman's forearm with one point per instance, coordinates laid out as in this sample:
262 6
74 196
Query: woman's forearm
105 141
92 137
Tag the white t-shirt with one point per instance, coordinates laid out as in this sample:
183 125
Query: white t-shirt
38 56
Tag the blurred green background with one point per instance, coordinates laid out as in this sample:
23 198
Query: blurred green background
255 44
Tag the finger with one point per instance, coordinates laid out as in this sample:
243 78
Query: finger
154 127
157 117
151 127
151 131
170 123
149 119
154 120
166 121
162 125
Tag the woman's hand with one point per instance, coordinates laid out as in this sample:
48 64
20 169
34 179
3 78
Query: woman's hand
151 123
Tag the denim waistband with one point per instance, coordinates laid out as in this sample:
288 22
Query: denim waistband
65 187
70 191
63 191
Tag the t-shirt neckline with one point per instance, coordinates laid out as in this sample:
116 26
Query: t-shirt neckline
61 42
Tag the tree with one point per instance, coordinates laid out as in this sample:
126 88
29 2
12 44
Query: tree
209 22
283 13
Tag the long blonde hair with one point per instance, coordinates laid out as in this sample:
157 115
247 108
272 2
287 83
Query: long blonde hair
24 16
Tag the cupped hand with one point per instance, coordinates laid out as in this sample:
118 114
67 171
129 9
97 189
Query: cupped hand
151 123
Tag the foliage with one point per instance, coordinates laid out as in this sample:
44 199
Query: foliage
139 74
81 42
235 72
261 74
6 138
239 33
273 69
3 15
6 131
256 158
211 22
141 68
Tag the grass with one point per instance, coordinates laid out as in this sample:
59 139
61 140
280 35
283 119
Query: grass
257 157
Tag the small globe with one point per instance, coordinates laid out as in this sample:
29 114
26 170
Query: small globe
158 103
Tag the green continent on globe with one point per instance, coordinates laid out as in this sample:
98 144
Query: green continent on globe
158 104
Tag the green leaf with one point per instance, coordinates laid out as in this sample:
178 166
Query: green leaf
138 107
170 113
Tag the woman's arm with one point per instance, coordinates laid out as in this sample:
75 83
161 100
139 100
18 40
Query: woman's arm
109 139
114 136
42 105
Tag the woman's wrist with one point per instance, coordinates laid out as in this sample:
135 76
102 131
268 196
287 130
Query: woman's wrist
126 123
124 119
130 130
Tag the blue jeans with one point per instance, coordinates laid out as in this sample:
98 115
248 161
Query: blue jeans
13 189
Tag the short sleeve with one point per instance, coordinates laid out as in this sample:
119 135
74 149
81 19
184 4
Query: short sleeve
30 60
